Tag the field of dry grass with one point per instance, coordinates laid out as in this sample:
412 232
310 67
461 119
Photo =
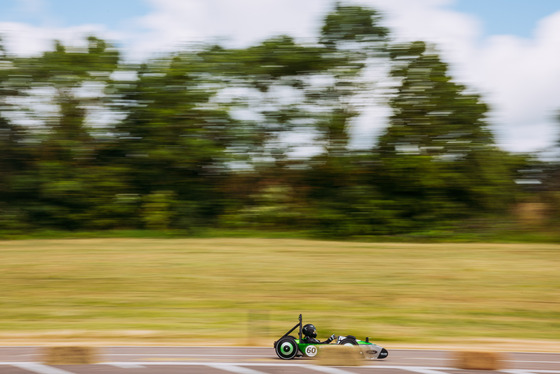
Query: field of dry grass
224 291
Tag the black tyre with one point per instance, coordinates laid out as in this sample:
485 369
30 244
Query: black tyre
348 341
286 348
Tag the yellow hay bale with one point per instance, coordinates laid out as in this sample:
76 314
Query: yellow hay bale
339 355
69 355
470 360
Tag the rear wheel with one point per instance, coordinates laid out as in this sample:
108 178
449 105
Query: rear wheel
286 348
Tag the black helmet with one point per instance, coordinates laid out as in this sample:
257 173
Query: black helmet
310 331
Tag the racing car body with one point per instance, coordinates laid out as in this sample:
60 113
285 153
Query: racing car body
289 347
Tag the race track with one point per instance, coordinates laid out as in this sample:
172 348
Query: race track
244 360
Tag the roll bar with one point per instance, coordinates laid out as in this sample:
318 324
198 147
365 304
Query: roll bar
299 324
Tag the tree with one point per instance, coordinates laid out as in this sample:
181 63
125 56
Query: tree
58 191
272 81
173 139
355 34
343 201
438 157
15 153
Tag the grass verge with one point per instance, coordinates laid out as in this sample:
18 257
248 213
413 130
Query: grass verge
250 291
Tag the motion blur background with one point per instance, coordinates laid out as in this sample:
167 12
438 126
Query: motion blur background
371 120
353 126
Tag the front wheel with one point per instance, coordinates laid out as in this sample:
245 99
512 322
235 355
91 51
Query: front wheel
286 348
348 341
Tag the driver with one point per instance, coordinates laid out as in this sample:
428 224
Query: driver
310 333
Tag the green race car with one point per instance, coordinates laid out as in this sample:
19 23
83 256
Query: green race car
289 347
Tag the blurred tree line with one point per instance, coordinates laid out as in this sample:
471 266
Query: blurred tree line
205 138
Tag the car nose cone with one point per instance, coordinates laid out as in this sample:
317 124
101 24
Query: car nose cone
383 354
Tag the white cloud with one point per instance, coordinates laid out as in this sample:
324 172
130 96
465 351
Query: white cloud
237 23
27 40
518 77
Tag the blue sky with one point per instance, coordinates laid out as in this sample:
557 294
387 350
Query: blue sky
515 17
72 12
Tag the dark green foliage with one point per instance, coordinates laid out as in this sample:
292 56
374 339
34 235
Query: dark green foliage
171 153
352 24
438 156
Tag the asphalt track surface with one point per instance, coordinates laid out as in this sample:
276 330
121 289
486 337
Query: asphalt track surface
250 360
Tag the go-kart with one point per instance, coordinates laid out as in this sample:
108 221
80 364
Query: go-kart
289 347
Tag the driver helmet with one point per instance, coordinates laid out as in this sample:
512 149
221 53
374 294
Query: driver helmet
310 331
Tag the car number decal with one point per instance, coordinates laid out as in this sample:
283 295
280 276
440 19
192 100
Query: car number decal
311 351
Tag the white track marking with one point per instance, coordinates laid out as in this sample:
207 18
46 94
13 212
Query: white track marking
506 360
423 370
234 369
433 369
127 365
244 368
529 371
534 362
325 369
39 368
180 355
